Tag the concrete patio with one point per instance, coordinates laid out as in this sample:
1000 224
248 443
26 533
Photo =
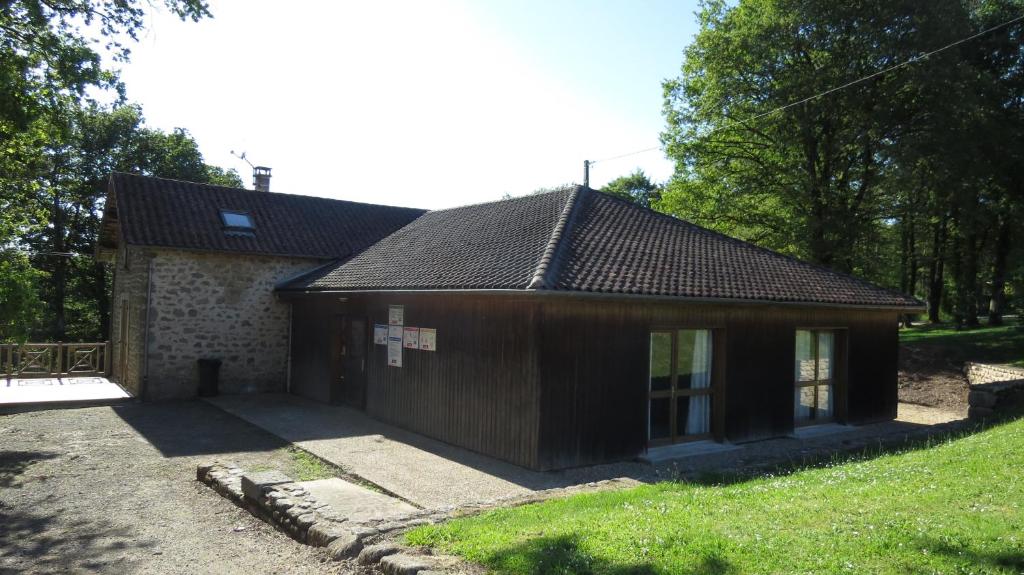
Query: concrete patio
433 474
426 472
59 391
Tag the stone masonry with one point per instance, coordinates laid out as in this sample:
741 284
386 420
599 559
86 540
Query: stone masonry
202 305
994 389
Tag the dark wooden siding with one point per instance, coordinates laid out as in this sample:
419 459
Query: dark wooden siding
478 390
593 358
553 382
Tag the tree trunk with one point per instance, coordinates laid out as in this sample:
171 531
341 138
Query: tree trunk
997 302
935 270
60 265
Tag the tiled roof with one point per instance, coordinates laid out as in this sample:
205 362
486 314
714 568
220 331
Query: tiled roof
485 246
171 213
585 241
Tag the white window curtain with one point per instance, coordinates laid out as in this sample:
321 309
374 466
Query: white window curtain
698 418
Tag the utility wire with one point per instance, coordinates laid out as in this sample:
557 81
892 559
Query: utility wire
831 90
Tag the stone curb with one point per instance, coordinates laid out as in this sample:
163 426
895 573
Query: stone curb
277 499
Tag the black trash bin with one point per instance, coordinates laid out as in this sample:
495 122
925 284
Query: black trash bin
209 374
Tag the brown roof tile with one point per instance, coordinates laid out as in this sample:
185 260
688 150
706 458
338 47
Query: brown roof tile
585 241
172 213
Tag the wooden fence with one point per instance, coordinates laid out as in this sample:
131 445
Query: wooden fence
54 359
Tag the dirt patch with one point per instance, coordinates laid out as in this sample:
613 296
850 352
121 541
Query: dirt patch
929 376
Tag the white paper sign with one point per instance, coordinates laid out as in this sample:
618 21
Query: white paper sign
380 334
428 339
395 346
411 338
396 315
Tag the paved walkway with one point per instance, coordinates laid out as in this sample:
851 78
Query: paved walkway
433 474
54 390
424 471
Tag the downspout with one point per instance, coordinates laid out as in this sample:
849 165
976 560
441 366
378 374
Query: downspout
144 388
288 363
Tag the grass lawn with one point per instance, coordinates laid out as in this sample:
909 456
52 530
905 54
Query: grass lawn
954 507
985 344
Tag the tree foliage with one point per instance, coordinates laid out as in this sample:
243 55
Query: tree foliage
906 178
57 147
636 188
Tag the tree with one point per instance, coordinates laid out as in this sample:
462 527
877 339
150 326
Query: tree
56 146
19 299
816 169
46 60
636 188
789 129
70 198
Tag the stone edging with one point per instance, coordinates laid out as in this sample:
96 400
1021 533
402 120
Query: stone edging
993 389
275 498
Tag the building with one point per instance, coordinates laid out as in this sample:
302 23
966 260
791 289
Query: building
194 272
566 329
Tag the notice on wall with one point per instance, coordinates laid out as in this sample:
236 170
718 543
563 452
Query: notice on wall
396 315
411 337
395 346
380 334
428 339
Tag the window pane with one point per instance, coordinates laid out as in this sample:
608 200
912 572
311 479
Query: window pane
824 402
804 356
693 359
804 403
825 340
693 414
661 361
661 426
236 220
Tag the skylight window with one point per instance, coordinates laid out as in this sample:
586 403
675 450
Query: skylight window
236 220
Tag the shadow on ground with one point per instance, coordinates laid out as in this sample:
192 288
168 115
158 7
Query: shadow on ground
985 561
563 555
13 464
78 546
193 428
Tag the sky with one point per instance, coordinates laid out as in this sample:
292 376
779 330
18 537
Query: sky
428 104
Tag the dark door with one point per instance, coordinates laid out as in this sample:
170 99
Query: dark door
349 373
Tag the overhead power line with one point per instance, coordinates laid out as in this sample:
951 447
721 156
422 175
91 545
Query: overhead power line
881 72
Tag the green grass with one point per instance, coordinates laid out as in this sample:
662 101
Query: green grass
954 507
984 344
308 467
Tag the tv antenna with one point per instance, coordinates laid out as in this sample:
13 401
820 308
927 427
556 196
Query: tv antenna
242 157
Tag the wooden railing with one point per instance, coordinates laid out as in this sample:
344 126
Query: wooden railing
54 359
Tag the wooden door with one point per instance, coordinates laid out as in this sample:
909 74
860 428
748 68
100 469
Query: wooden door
349 373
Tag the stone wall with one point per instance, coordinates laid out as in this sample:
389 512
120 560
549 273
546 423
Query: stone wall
128 304
204 305
994 389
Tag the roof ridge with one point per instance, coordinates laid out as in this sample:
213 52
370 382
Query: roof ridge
549 259
246 190
523 198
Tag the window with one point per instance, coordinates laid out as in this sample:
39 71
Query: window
814 397
236 220
680 389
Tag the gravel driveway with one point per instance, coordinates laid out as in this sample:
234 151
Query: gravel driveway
113 490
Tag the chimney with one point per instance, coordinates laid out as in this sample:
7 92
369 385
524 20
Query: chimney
261 178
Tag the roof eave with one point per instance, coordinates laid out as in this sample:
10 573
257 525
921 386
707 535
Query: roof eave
298 292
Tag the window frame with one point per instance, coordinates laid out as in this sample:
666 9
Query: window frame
673 392
838 337
223 218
